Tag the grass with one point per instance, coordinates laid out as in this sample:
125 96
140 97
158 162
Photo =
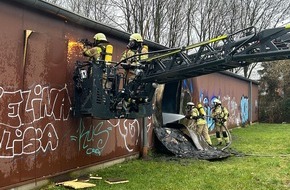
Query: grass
265 166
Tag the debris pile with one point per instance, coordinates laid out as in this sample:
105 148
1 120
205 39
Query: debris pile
186 143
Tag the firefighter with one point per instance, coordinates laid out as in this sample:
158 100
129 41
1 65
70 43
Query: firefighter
134 47
197 122
202 127
97 51
132 65
100 52
220 115
192 115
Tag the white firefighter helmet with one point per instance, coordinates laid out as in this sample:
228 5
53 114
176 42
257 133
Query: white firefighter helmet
217 102
190 104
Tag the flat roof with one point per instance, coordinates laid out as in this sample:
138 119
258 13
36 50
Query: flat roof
81 20
234 75
86 22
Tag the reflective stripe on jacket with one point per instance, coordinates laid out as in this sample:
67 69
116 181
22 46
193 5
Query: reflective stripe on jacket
130 53
97 52
220 113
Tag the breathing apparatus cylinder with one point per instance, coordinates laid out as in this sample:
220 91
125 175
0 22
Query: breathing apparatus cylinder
109 53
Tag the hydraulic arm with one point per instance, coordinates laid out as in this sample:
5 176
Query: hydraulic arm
132 99
222 53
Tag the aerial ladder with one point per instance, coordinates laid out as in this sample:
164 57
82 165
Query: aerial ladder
94 99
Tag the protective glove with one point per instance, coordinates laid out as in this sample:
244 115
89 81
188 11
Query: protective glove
187 117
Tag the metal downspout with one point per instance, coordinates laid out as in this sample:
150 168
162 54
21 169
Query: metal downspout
250 102
145 139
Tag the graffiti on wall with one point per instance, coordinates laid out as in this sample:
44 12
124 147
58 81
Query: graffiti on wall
244 109
207 108
25 130
239 110
130 130
94 139
21 132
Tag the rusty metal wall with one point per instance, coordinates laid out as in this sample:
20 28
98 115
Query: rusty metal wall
38 136
239 96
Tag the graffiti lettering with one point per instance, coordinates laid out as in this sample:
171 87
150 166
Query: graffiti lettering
88 136
20 109
129 131
148 126
38 103
29 141
93 151
92 139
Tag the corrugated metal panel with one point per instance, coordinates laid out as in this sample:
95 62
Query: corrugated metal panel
39 137
232 91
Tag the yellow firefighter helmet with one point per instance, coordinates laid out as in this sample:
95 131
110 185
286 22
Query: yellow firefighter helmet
137 37
100 37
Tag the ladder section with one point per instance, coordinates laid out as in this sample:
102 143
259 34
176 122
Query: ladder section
218 54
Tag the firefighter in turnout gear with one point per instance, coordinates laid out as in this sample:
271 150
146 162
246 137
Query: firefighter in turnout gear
97 51
100 52
220 115
202 128
132 65
134 47
191 115
196 120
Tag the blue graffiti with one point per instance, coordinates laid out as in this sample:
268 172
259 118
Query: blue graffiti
200 96
187 84
244 109
209 120
208 110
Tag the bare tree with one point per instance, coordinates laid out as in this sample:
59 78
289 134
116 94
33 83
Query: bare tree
189 11
175 22
134 14
183 22
259 13
158 19
207 18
